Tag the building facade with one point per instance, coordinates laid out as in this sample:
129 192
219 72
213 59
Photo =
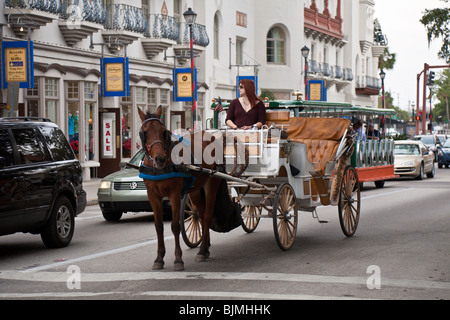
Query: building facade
232 38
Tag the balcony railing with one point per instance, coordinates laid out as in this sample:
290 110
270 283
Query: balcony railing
325 70
83 10
368 82
125 17
161 26
51 6
198 32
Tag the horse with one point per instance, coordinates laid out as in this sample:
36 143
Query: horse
158 146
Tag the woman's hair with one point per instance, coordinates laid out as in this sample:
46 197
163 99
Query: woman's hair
250 91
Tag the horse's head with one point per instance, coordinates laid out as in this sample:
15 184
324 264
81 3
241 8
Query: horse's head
155 138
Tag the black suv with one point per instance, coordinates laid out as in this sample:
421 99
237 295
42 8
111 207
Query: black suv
41 188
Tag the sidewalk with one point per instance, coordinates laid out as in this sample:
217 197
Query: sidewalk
91 188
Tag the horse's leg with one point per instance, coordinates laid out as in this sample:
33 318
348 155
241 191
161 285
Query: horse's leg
159 226
175 200
211 187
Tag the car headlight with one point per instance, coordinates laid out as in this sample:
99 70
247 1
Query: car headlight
105 185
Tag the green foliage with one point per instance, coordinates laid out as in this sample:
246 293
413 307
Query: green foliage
437 23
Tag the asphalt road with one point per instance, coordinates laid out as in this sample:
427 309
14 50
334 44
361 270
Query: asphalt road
401 250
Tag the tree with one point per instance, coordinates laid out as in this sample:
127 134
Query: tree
437 23
442 109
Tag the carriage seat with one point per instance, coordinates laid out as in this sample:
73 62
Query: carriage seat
321 137
280 118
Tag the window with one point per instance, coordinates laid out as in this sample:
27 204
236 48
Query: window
275 46
6 151
57 143
239 52
29 146
126 131
32 100
51 98
216 36
90 102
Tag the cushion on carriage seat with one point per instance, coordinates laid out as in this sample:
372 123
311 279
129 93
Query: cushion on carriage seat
321 137
280 118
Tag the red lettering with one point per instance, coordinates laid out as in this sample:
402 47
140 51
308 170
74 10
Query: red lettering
108 148
108 125
108 141
108 133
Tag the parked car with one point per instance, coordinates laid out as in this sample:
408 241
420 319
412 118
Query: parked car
444 155
431 141
123 191
41 188
442 138
412 158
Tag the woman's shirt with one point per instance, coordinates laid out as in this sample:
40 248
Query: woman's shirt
237 114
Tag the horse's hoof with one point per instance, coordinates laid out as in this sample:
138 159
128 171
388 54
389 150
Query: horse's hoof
200 258
158 265
178 266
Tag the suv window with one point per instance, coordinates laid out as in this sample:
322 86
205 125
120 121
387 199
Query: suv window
29 147
6 150
57 143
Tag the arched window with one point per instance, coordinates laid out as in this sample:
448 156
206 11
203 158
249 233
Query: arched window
275 46
216 36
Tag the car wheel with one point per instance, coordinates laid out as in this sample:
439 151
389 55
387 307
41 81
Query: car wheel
420 176
431 173
379 184
112 216
58 231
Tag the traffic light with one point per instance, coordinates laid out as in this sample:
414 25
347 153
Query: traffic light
418 118
430 78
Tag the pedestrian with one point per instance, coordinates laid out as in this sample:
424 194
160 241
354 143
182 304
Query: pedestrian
372 133
248 110
358 127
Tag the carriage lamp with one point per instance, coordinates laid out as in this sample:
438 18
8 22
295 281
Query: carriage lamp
305 54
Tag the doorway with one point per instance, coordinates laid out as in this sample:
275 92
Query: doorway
177 120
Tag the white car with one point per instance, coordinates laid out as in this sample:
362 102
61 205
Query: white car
412 158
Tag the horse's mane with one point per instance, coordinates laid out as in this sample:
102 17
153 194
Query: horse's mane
149 115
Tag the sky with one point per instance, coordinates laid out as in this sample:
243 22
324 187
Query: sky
399 20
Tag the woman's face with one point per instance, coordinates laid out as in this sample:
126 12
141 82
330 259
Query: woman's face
241 89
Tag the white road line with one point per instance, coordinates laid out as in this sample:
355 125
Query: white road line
363 197
246 276
95 255
179 294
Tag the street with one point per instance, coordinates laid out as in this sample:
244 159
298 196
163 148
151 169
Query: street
401 250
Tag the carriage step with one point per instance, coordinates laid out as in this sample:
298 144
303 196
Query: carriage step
316 216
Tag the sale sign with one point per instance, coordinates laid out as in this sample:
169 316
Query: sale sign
108 150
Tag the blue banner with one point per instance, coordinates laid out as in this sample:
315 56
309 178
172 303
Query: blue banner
115 77
182 79
17 63
317 91
239 78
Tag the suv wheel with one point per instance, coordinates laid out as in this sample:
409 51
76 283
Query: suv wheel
59 230
112 216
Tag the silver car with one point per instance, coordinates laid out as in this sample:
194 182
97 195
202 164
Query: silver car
123 191
412 158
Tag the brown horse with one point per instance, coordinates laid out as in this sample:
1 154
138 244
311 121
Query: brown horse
158 147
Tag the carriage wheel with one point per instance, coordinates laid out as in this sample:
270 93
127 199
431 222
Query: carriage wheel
349 201
285 216
250 217
191 225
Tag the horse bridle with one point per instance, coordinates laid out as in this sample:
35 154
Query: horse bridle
148 148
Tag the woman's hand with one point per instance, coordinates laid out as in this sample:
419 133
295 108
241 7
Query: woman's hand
246 127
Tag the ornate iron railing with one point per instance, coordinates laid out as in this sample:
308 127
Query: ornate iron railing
161 26
199 34
84 10
51 6
125 17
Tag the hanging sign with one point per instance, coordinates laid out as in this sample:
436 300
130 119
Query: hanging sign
317 91
182 79
115 77
17 63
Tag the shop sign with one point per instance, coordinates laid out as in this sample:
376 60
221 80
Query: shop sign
115 77
108 138
182 79
238 80
17 63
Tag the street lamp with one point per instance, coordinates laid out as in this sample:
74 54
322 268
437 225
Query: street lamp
305 54
190 17
382 76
